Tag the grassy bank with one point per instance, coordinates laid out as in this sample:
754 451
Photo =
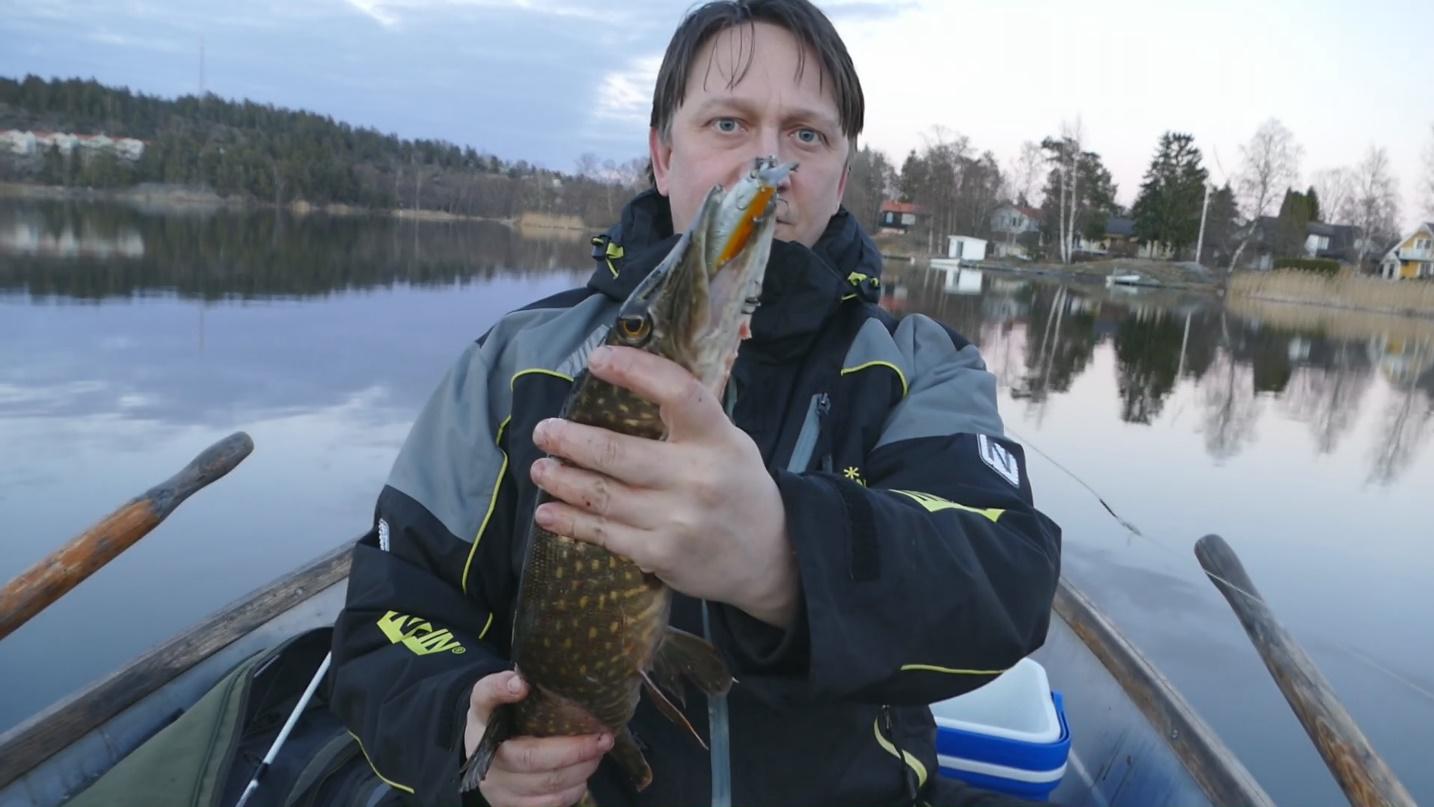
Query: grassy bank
180 199
1336 323
1345 290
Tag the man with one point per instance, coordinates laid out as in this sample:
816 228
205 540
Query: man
858 540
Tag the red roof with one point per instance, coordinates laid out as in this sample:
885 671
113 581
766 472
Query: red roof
890 206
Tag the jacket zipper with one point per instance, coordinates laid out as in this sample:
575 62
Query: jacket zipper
811 431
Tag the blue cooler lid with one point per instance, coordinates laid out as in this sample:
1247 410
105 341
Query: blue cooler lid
972 745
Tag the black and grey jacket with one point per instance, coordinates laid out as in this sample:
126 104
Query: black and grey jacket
925 568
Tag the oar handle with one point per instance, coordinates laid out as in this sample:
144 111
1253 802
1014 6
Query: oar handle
1360 771
49 579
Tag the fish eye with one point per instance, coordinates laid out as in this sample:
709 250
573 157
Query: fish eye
634 329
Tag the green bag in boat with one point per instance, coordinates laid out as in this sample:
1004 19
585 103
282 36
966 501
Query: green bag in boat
209 753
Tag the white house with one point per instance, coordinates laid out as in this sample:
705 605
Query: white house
965 248
26 144
1009 223
1412 258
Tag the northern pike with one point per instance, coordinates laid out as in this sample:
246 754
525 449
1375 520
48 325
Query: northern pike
591 631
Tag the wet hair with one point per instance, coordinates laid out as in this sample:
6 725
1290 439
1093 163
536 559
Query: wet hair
804 21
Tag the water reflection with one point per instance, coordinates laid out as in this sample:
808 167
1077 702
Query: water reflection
92 252
1040 336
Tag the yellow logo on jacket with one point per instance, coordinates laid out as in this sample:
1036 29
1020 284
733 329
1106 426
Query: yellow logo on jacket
417 634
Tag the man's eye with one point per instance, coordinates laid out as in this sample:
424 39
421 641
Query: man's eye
810 137
726 125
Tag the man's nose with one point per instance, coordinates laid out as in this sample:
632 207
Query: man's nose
769 143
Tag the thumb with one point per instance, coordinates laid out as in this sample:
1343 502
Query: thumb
493 690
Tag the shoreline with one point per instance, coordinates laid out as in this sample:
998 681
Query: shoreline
184 199
1406 313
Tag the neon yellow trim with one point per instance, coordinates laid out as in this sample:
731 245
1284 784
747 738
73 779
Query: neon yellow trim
492 504
886 364
846 297
537 371
369 760
502 471
900 754
936 503
948 670
486 626
614 252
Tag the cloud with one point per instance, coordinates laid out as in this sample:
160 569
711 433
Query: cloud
624 95
390 13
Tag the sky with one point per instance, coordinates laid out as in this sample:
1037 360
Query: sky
549 80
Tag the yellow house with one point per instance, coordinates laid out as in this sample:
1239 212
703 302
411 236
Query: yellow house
1412 258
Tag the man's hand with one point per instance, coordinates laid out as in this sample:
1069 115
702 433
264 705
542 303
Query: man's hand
529 771
698 510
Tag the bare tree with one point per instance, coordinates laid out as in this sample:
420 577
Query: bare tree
1065 155
1335 188
1376 202
1025 172
588 165
1270 164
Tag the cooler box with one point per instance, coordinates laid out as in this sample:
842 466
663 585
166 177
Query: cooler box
1009 736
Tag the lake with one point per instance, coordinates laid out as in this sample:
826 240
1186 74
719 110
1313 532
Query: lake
131 339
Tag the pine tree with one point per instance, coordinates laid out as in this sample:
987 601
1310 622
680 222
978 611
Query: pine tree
1168 209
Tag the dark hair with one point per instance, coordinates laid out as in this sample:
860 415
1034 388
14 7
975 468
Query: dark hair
806 23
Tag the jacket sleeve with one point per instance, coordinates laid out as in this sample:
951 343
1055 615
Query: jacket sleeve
426 612
933 574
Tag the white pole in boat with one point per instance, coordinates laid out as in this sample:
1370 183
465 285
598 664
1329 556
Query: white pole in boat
284 732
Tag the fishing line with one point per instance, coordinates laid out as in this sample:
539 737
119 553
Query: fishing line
1359 655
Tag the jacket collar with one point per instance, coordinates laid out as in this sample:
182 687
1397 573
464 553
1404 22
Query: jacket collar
803 287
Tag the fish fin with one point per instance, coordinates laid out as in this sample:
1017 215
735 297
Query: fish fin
500 728
696 659
668 676
626 753
669 711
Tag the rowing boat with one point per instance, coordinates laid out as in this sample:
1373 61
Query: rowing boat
1134 740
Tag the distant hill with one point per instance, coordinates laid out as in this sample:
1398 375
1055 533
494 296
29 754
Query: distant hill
268 154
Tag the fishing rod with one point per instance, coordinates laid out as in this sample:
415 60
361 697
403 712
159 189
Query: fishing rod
284 732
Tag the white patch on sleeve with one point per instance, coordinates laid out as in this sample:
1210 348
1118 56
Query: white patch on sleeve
383 535
1001 461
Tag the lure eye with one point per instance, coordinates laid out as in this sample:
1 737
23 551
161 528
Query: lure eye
634 330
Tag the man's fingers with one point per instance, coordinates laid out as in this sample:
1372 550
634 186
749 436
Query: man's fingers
621 456
498 688
687 407
614 536
598 494
551 782
544 755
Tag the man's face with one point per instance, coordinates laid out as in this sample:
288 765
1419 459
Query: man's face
719 130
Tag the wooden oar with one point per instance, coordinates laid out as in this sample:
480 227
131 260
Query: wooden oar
48 580
1363 775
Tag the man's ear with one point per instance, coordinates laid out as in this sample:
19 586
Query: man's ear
841 187
661 154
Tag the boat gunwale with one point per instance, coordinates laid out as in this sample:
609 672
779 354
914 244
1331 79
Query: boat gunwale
30 743
1206 757
1210 763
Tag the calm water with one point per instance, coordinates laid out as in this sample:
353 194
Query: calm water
130 340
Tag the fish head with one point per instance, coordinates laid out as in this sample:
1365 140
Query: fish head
697 305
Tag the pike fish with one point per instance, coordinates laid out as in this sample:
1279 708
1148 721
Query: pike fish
591 631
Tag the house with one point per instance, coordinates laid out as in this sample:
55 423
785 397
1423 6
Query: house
31 144
1412 258
1016 229
1339 242
965 248
900 216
